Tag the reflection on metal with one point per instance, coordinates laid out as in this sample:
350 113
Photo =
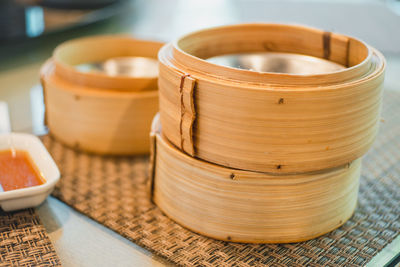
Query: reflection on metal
123 66
277 62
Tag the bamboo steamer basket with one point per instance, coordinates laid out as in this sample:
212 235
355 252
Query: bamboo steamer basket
245 206
95 112
270 122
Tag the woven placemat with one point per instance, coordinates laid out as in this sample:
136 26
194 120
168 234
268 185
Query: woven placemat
24 241
112 191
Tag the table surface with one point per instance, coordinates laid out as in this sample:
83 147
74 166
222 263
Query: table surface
79 241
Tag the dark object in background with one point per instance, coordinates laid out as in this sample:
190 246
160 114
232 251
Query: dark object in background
76 4
21 19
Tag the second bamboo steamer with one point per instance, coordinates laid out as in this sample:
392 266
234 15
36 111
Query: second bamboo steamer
270 122
245 206
96 111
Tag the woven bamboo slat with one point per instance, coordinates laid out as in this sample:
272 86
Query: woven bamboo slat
270 122
95 112
245 206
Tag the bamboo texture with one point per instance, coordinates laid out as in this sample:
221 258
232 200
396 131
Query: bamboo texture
245 206
270 122
100 48
94 112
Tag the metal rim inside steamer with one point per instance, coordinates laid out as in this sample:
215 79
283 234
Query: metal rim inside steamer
136 67
275 62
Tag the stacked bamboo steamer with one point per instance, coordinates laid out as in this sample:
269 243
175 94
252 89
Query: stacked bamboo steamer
261 157
94 111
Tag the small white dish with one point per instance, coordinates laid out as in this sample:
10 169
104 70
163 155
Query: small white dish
35 195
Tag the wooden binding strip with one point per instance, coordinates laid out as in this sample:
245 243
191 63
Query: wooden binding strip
272 122
155 128
252 207
188 114
326 37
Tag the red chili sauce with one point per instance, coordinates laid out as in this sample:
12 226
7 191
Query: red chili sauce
17 170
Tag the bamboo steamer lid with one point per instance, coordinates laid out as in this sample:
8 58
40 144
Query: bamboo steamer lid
95 112
245 206
270 122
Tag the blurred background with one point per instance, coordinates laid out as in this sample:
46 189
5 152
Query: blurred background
31 29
